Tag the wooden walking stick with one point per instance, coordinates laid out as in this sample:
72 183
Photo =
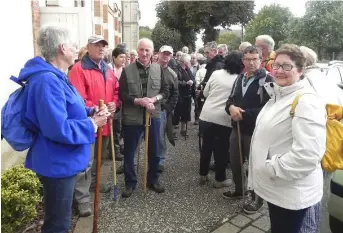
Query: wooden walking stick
115 186
241 159
98 172
146 140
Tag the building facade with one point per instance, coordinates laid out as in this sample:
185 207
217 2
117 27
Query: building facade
130 19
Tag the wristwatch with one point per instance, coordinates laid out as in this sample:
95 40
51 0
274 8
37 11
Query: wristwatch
158 98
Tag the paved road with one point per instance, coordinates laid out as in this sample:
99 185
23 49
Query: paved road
185 207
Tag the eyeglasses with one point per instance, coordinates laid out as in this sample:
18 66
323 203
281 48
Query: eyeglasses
285 67
252 59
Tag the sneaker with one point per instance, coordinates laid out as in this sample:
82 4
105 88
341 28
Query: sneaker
253 207
232 195
84 209
158 188
203 180
222 184
127 192
160 168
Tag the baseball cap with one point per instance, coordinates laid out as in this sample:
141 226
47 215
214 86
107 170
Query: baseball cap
95 39
166 48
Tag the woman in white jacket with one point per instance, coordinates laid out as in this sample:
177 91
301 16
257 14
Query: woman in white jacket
286 152
215 124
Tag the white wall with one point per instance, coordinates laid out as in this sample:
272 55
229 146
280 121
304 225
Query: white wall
17 48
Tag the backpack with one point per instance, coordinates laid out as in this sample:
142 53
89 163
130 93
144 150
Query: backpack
333 157
13 129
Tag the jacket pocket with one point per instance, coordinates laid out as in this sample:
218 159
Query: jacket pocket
133 88
155 84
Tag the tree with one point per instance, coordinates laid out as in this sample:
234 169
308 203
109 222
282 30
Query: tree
322 27
162 35
273 20
145 32
230 38
189 17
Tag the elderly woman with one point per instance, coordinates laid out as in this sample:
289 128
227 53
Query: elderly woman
286 151
65 127
182 110
215 125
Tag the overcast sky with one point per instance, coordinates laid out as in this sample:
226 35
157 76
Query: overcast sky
148 13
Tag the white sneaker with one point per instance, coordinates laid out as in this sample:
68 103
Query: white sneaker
222 184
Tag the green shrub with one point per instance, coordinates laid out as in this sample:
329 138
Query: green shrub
19 198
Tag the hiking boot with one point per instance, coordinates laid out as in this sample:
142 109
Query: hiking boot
104 188
222 184
160 168
127 192
232 195
84 209
253 207
120 169
158 188
203 180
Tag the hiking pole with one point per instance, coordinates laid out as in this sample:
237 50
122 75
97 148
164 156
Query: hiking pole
98 172
241 159
115 187
146 140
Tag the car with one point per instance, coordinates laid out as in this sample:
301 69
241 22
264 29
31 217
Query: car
335 202
335 71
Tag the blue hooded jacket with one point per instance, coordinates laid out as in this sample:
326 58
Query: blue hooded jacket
58 113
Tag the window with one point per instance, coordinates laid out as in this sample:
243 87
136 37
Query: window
335 74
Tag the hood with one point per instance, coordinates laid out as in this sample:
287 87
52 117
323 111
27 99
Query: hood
38 65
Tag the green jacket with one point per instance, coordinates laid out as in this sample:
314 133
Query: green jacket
130 87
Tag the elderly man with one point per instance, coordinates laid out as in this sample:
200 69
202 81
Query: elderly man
244 104
185 50
222 50
94 80
167 105
142 88
243 45
266 44
133 56
178 55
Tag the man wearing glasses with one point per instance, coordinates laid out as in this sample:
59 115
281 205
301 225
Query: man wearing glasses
247 98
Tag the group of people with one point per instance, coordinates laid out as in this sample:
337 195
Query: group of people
241 95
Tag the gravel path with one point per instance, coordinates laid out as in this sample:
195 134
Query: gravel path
184 207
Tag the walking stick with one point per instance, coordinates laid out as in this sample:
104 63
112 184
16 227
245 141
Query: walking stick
115 187
146 140
98 172
241 159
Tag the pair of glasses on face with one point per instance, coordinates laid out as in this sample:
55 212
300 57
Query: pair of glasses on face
285 67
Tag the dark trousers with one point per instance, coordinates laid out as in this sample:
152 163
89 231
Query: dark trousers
216 140
235 160
198 104
132 134
58 200
285 220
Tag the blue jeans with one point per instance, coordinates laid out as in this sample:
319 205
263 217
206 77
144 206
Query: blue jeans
58 200
163 145
132 134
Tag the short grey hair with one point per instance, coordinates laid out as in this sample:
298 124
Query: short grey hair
223 47
185 58
50 37
200 56
133 52
311 57
267 40
211 45
146 40
243 45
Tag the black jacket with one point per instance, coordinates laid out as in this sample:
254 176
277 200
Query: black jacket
185 91
216 63
251 103
171 79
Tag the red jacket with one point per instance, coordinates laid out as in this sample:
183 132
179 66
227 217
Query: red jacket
94 84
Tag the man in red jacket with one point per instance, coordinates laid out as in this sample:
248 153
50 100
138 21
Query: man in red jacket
94 80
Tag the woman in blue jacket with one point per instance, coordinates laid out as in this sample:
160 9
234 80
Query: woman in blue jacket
65 127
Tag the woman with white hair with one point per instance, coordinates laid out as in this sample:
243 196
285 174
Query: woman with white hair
64 127
324 87
182 110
